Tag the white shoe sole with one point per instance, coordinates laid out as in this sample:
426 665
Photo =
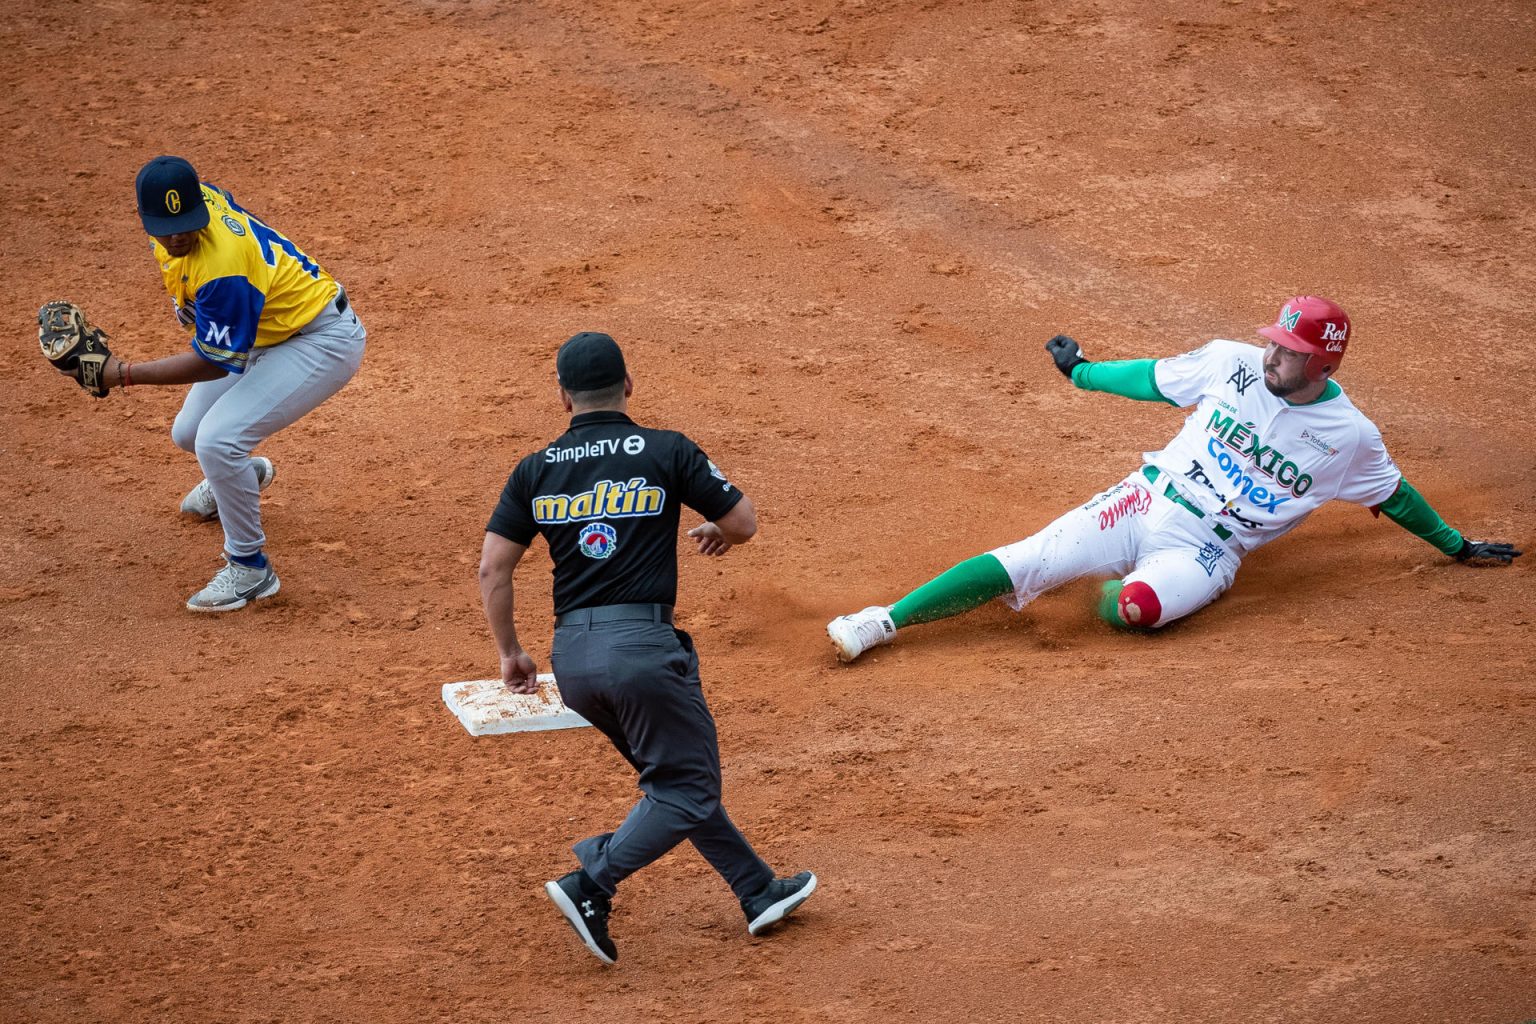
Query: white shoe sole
237 605
573 917
261 485
782 909
845 640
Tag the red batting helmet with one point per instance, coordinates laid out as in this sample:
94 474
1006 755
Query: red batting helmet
1316 326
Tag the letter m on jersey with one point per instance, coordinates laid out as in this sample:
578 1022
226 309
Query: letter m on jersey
217 337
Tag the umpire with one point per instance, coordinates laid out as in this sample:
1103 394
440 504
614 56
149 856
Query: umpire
607 495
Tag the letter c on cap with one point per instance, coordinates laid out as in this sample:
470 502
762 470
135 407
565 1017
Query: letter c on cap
173 201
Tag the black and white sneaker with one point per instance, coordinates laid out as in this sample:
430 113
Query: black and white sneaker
782 897
587 914
233 587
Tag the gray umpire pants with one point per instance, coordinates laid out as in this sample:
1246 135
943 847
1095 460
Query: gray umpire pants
637 681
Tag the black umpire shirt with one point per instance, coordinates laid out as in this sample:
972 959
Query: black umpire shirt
607 495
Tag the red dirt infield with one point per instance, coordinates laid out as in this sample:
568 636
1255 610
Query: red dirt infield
832 238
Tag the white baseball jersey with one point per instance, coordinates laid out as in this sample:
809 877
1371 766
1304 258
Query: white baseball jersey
1255 460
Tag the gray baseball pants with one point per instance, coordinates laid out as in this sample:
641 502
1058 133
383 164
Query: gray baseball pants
638 683
222 421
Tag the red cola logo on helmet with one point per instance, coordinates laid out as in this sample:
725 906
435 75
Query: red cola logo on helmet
1314 325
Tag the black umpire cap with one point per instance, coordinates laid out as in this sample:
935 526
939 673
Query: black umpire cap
170 197
589 361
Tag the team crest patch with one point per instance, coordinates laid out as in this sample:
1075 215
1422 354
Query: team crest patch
1242 378
715 472
1210 556
233 225
598 540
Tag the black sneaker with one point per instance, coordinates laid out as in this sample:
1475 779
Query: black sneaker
778 901
587 914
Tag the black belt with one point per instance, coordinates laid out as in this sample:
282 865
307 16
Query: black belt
616 613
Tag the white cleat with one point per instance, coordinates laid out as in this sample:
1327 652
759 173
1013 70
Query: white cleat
199 500
234 587
854 634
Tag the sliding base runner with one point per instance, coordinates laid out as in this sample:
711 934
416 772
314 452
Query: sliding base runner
1271 438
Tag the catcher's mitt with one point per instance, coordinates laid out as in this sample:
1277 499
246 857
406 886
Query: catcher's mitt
73 346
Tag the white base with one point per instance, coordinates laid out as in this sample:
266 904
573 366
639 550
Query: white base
485 707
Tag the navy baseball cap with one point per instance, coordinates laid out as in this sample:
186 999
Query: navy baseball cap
589 361
170 197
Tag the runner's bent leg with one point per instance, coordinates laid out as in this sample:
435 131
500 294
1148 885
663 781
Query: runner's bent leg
1098 538
1170 583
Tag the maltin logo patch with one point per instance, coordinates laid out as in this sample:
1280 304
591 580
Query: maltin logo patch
598 540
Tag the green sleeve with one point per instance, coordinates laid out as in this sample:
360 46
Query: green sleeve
1128 378
1408 509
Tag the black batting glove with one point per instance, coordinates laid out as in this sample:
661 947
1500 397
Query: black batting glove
1486 552
1066 352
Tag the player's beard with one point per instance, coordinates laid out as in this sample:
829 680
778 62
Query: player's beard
1282 387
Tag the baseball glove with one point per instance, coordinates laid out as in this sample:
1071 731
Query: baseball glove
73 346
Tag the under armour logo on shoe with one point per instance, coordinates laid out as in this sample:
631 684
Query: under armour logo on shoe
586 909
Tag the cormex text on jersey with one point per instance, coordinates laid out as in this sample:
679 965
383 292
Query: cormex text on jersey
608 499
1243 439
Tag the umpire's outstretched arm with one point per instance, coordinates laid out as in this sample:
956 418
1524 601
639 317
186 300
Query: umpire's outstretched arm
498 557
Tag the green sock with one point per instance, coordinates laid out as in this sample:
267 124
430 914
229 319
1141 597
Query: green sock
1109 603
1109 607
968 585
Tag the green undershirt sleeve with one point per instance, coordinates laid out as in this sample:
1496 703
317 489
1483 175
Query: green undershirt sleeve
1128 378
968 585
1408 509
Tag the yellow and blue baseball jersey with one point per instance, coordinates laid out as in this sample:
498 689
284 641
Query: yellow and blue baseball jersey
244 286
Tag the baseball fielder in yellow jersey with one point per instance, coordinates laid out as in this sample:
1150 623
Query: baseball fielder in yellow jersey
272 336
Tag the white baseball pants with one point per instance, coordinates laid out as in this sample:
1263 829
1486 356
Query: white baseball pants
1134 529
